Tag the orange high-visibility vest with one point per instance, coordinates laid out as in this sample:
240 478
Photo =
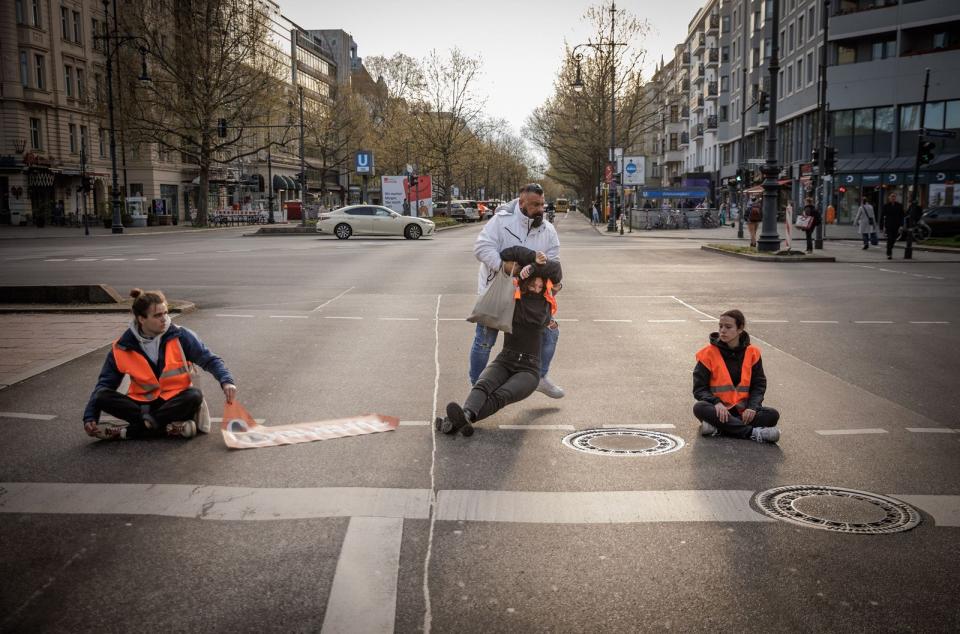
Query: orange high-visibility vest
547 295
721 385
144 385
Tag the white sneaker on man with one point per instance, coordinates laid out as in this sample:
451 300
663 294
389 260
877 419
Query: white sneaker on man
549 388
706 429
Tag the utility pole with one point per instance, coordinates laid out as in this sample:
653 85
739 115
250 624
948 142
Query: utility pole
914 207
769 239
270 218
612 221
743 136
115 192
822 129
303 167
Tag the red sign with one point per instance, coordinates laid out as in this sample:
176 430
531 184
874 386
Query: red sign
608 173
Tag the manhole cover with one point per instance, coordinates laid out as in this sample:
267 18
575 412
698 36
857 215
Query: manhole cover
837 509
623 442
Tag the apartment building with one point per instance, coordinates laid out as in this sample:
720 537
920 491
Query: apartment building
702 50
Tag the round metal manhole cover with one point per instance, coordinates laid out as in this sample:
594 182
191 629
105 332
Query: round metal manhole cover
837 509
623 442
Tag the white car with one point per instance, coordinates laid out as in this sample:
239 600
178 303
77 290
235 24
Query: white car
372 220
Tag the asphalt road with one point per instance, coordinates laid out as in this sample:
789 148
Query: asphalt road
510 530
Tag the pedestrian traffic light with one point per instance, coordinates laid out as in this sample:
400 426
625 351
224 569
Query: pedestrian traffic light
762 102
739 176
816 156
842 189
221 128
829 160
926 152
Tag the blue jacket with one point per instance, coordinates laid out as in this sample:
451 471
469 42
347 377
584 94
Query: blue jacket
193 348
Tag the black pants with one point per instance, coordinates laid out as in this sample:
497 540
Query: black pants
809 240
183 406
891 239
766 417
510 378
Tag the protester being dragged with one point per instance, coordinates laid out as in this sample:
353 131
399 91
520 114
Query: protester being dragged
158 357
729 385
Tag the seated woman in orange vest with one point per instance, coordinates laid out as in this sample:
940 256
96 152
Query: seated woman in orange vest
729 385
158 357
515 373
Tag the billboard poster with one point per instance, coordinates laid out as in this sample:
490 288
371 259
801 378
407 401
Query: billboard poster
395 188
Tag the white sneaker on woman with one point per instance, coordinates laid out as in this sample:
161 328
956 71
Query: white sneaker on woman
549 388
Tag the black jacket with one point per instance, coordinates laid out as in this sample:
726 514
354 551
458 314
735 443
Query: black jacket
891 216
531 312
733 358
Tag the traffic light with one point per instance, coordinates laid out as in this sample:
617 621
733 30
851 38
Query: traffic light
762 102
221 128
816 156
829 160
926 151
842 189
86 185
739 176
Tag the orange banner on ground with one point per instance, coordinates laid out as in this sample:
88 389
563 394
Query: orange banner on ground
240 431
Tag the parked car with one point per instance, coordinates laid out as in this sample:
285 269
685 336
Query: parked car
372 220
943 221
460 210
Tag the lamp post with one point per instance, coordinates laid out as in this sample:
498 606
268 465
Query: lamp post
769 239
117 226
303 167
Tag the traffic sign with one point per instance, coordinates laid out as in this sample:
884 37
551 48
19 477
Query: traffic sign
940 134
756 161
364 162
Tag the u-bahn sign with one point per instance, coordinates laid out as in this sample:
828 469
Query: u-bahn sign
363 162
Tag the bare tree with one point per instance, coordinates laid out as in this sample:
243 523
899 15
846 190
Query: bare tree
333 132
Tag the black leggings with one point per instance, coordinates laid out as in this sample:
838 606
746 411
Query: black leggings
510 378
707 412
181 407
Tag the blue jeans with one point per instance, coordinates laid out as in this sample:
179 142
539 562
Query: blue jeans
485 338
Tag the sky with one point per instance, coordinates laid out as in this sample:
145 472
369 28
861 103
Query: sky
520 42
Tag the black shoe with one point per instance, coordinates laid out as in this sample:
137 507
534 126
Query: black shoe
438 423
455 419
865 247
889 257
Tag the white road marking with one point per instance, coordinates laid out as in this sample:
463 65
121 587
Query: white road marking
231 315
851 432
85 259
288 317
818 321
562 320
696 310
945 509
364 593
931 430
114 259
146 259
27 416
708 320
873 322
414 423
640 426
539 427
55 260
336 317
399 319
317 309
431 512
615 321
666 321
929 322
451 319
770 321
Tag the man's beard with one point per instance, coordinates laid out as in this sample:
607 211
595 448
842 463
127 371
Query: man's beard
537 219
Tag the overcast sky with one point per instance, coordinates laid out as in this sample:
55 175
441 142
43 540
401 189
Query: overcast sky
521 42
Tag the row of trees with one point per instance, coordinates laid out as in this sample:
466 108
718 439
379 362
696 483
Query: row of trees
218 59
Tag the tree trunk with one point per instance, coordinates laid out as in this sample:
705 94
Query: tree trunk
203 194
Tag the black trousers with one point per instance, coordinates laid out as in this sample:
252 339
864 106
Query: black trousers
766 417
809 240
891 239
183 406
510 378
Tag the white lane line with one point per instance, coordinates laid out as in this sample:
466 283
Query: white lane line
666 321
562 320
85 259
146 259
770 321
539 427
615 321
288 317
431 511
336 317
598 506
364 593
114 259
27 416
851 432
211 502
317 309
931 430
708 320
818 321
640 426
399 318
929 322
414 423
873 322
696 310
231 315
451 319
945 509
55 260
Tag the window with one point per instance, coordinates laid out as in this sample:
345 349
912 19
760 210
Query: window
65 23
790 78
780 84
102 143
73 137
953 115
809 68
77 28
884 49
724 84
800 30
41 72
68 80
98 87
24 70
811 19
36 13
799 73
846 54
81 84
94 32
843 131
726 24
910 118
725 54
83 138
790 38
673 141
35 134
19 9
883 130
724 113
863 131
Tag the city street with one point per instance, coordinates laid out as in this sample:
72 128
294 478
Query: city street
510 530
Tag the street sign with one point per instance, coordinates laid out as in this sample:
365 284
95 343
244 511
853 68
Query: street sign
634 172
940 134
756 161
363 163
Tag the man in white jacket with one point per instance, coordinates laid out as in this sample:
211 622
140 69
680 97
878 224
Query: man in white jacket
518 222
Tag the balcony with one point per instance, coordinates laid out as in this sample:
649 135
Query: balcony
698 104
713 56
686 58
700 42
684 139
713 23
685 85
712 89
698 131
685 112
712 122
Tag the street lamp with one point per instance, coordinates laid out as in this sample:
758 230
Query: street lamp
769 238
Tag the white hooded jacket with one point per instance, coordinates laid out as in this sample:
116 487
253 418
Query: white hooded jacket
509 227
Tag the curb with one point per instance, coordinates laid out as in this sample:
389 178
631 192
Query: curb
771 258
299 231
175 306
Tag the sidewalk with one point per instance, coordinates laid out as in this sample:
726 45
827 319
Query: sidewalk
8 232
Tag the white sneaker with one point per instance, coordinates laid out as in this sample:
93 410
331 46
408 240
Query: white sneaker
182 429
706 429
550 389
765 434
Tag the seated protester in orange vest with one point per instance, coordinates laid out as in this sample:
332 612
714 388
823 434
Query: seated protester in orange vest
515 373
158 357
729 385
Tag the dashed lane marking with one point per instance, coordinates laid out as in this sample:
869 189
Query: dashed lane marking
340 317
666 321
399 318
114 259
873 322
451 319
771 321
85 259
614 321
27 416
539 427
563 320
931 430
640 426
146 259
288 317
851 432
818 321
231 315
929 322
55 260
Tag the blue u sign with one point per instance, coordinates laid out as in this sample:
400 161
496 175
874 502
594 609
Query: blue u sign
364 162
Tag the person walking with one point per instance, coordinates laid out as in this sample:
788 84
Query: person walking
723 214
891 220
515 373
158 357
517 223
754 217
729 385
810 211
594 215
866 222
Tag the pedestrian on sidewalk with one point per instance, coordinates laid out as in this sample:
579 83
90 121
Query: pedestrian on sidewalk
729 385
754 217
866 222
158 357
723 214
594 215
517 223
515 373
810 211
891 220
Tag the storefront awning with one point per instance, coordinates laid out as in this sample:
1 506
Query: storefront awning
278 182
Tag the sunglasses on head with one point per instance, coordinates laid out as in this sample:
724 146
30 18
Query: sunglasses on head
532 188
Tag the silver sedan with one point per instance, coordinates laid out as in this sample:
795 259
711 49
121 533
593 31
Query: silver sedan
372 220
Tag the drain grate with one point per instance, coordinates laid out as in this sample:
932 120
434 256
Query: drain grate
623 441
838 509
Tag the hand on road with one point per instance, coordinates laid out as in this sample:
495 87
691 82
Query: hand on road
91 428
541 257
748 415
722 413
230 391
526 271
